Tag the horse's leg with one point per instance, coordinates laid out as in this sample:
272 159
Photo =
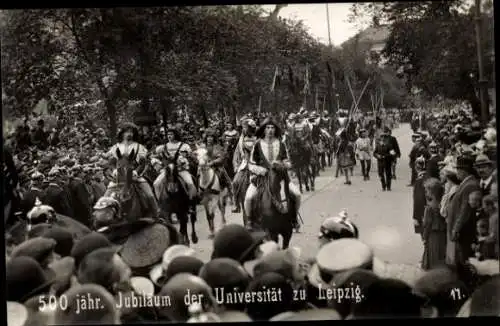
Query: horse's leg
299 177
192 218
210 220
287 236
222 203
183 229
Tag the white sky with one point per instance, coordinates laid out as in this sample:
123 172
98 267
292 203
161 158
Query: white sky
314 17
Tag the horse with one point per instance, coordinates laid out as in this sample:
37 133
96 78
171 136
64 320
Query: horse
174 199
126 191
274 206
211 192
302 157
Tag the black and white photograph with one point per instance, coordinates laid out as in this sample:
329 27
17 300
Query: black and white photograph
246 163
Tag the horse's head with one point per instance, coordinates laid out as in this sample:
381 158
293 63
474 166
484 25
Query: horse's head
125 166
171 177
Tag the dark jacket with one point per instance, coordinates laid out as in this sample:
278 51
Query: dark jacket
80 199
55 197
395 146
433 166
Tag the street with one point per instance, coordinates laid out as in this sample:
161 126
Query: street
383 218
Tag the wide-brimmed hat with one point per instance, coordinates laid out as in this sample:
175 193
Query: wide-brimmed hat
146 247
36 248
142 285
348 253
264 310
25 279
17 314
158 271
225 273
263 249
176 289
268 121
465 162
236 242
482 159
338 227
283 262
129 126
87 244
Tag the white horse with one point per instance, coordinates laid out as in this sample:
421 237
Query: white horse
212 194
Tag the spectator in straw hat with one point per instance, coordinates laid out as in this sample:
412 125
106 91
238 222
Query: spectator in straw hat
487 172
460 224
419 200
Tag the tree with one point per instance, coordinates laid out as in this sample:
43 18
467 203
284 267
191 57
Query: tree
432 43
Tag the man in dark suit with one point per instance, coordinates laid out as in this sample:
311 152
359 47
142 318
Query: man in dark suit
80 198
485 168
433 161
36 191
54 195
417 150
395 147
461 224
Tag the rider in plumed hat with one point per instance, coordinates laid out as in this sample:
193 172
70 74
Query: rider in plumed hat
268 152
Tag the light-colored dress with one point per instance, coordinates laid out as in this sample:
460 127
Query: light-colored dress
363 148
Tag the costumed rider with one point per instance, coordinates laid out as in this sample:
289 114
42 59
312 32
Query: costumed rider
268 152
216 157
231 134
128 141
177 152
241 158
301 127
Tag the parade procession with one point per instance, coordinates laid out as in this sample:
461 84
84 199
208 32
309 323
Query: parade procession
191 193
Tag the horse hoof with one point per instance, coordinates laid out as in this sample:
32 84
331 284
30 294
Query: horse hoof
194 238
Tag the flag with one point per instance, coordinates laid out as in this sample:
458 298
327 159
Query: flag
275 79
307 86
205 117
331 76
291 79
316 98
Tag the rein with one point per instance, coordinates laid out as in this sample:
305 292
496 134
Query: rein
278 203
209 188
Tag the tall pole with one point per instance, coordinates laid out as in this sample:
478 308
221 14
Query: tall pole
330 82
328 24
483 82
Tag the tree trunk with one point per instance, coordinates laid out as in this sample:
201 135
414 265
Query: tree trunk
111 110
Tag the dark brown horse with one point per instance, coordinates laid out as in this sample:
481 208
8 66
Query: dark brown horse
303 161
274 206
175 200
125 189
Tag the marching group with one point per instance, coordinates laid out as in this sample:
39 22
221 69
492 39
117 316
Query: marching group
57 277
